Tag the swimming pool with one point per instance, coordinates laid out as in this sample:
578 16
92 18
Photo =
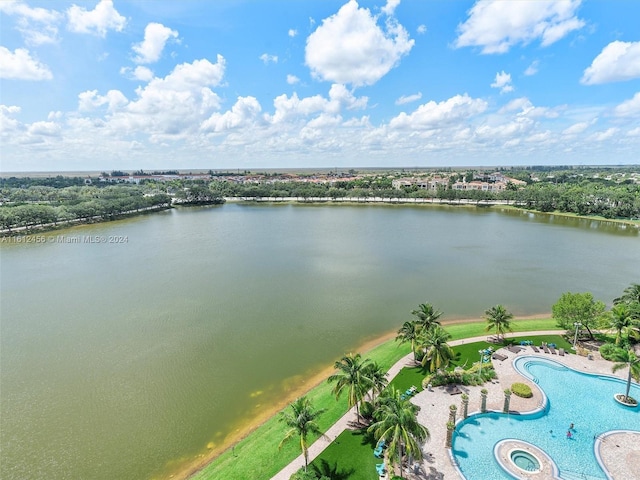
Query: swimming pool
586 400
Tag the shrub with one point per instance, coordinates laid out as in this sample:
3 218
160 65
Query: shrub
608 350
521 390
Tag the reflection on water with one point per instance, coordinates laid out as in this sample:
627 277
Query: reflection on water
120 358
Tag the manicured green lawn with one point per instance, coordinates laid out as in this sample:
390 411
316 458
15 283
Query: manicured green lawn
349 457
257 455
407 377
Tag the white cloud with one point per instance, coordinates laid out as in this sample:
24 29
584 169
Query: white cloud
503 82
422 29
144 74
19 65
292 32
532 69
8 124
628 108
524 108
576 128
390 7
38 26
90 100
409 98
617 62
292 79
496 26
48 129
634 133
150 49
97 21
349 47
244 113
266 58
435 115
605 135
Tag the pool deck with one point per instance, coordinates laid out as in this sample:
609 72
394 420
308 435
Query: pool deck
620 452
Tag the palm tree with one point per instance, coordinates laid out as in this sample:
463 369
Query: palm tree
437 352
398 426
427 315
351 376
378 378
626 358
631 294
302 422
408 333
499 318
621 320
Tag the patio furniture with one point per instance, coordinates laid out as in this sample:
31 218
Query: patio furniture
453 390
535 349
561 352
552 350
498 356
545 349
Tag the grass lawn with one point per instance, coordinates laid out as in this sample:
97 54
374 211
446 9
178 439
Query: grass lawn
407 377
257 455
349 457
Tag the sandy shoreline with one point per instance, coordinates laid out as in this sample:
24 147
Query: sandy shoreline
191 467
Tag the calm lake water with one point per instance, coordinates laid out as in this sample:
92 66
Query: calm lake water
119 358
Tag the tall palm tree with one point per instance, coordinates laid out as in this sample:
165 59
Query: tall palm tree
630 294
499 318
437 352
302 422
427 315
351 377
408 333
626 358
398 425
621 320
378 378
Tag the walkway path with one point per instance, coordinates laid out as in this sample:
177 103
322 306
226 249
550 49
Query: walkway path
433 463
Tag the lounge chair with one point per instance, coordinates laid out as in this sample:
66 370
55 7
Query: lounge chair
497 356
552 350
535 349
380 468
514 349
453 390
545 349
561 352
378 452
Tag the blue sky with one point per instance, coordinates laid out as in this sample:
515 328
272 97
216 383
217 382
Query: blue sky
159 84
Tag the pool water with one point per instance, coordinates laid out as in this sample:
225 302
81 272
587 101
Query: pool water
525 461
572 397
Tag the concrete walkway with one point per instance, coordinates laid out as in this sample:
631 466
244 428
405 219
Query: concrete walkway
438 464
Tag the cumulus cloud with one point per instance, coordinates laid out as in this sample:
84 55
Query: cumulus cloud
434 115
37 25
628 108
503 82
150 49
576 128
244 113
340 98
97 21
496 26
19 65
267 59
524 108
604 135
292 32
292 79
617 62
90 100
409 98
48 129
390 7
350 48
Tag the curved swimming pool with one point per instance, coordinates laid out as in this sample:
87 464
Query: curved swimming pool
586 400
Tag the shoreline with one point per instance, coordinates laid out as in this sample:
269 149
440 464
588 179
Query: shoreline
244 429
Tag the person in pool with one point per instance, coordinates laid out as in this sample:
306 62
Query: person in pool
571 427
569 434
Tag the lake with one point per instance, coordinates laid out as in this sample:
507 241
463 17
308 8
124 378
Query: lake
120 359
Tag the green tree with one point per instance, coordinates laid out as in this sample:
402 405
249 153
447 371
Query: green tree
437 352
377 376
498 318
630 295
427 315
626 358
621 320
351 376
301 421
397 423
578 307
408 333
